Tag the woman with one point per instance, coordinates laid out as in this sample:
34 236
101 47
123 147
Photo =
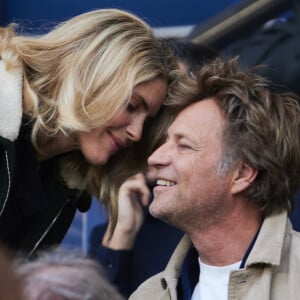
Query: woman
69 100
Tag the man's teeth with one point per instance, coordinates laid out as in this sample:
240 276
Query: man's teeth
164 182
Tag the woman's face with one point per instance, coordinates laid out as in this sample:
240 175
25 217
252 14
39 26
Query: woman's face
101 143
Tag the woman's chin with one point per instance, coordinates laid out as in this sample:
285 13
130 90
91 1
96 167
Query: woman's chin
96 161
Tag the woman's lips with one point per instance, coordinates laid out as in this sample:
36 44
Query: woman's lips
116 143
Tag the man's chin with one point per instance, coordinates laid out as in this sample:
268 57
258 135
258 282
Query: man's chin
162 217
156 212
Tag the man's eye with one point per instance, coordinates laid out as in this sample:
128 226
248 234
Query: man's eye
183 146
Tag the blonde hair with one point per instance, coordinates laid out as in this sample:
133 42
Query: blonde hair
80 75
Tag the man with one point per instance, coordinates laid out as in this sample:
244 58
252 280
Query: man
227 175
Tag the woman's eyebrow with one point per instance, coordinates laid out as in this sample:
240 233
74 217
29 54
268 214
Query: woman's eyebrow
143 101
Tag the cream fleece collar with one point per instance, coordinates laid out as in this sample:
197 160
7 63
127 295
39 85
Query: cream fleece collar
10 102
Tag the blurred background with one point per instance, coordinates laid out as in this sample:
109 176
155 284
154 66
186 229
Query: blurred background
243 27
164 13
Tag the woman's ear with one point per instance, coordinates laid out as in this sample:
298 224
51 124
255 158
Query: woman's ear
243 176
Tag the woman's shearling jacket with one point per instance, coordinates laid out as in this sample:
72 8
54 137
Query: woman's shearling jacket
36 207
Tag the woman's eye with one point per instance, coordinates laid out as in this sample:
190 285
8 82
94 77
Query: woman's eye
131 106
148 120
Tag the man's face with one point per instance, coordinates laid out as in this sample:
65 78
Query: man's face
189 193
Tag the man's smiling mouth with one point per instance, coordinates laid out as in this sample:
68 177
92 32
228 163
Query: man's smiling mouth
163 182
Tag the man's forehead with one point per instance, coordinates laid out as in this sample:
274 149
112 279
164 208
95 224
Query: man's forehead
201 111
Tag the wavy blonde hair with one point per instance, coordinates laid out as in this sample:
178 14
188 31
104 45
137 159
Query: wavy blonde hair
79 76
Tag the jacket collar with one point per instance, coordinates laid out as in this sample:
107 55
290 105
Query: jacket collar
10 102
173 268
272 234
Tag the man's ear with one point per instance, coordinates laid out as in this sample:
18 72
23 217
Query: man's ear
243 176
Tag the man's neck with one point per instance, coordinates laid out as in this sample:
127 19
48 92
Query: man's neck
227 242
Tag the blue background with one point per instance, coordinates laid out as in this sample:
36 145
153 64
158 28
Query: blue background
157 13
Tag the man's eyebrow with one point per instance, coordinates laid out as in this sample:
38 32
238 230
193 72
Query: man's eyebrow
178 135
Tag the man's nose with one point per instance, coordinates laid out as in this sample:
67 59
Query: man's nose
158 157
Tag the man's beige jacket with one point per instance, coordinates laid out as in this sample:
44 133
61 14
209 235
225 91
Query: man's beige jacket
272 269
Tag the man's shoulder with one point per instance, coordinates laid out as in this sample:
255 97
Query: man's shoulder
164 284
153 288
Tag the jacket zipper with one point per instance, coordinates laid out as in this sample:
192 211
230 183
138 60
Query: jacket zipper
48 229
9 183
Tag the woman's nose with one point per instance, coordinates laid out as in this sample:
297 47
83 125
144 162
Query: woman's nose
135 129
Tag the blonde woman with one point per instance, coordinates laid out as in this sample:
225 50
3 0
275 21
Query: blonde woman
71 104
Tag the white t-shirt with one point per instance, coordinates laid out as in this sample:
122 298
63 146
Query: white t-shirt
214 282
